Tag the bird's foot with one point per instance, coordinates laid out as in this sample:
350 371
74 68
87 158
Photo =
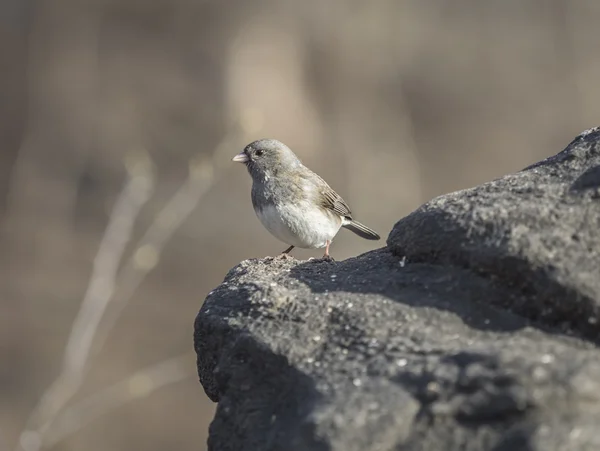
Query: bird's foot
327 257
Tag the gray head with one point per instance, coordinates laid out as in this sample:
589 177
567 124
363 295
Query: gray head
267 158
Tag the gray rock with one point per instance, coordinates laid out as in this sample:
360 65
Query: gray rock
474 329
536 232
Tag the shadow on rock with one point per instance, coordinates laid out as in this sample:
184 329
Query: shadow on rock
421 286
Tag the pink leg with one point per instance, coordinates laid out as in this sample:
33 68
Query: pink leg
327 249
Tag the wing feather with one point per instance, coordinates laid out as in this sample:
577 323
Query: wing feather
328 198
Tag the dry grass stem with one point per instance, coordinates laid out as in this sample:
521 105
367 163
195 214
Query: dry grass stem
138 385
94 321
136 193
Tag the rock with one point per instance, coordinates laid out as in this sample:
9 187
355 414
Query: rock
474 329
536 231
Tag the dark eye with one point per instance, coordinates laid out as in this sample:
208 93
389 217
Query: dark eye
258 152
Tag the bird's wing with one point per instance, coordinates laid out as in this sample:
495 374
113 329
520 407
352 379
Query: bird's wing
331 200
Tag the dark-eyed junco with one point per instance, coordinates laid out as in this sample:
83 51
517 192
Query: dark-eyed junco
296 205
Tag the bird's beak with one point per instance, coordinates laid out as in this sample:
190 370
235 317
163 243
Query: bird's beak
241 158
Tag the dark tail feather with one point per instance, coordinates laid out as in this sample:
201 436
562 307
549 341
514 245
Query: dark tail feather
362 230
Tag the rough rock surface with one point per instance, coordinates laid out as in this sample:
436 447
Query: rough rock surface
476 328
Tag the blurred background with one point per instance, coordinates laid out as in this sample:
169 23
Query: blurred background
120 208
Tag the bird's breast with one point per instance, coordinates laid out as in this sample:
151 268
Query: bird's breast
300 224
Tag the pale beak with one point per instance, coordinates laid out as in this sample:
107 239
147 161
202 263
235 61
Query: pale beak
241 158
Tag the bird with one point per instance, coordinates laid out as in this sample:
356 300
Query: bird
292 202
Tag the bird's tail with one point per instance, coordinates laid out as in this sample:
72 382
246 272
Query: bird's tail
361 230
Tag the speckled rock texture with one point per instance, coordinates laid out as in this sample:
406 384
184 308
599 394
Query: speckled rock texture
476 328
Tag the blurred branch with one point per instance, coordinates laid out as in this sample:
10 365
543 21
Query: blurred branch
140 384
99 292
94 322
148 249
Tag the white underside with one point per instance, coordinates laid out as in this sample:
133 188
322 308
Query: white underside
302 225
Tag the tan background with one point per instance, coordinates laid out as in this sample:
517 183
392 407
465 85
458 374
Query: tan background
393 102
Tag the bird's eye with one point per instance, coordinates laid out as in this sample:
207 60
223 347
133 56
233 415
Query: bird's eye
258 153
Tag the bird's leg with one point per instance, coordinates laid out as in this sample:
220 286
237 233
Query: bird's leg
327 256
285 253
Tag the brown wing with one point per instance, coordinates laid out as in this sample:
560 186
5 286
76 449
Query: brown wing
333 201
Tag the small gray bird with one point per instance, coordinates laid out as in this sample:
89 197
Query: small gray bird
296 205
